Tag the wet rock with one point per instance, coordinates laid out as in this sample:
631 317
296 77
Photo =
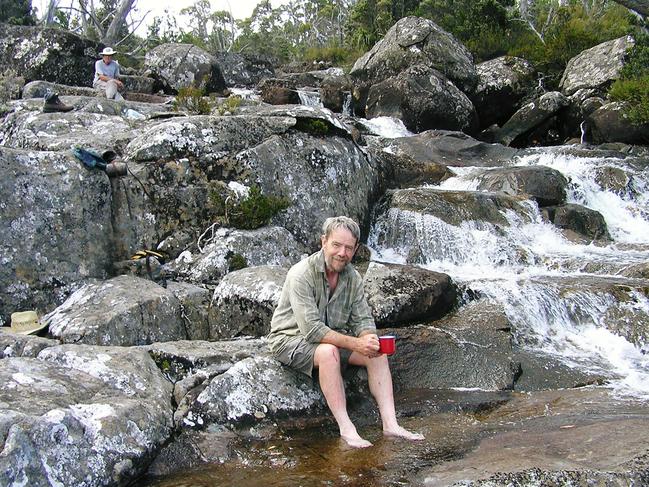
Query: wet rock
82 415
240 69
414 41
124 310
50 54
400 294
531 116
177 66
56 228
610 123
423 99
504 83
614 179
577 218
279 92
336 93
470 348
268 245
596 67
545 185
244 301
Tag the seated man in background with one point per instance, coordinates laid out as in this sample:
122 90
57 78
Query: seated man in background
323 321
107 75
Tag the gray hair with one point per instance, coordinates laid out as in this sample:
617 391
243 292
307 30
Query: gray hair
335 222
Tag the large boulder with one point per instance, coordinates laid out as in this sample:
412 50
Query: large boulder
125 310
531 116
177 66
414 41
470 348
504 82
579 219
610 123
244 301
545 185
424 99
50 54
279 91
81 415
243 70
56 228
402 294
596 67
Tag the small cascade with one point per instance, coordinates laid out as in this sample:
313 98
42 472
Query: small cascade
563 298
310 98
348 107
388 127
582 128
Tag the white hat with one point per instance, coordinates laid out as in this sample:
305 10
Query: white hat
26 323
108 51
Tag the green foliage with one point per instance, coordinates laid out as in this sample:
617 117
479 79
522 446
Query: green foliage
191 99
313 126
570 30
17 12
256 210
633 85
236 262
229 105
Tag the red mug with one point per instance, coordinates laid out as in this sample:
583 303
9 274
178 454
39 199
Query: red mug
387 344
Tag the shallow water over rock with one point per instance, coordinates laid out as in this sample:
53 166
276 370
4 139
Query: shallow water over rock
470 436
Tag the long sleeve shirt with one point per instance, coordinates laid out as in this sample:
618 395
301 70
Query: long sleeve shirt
305 307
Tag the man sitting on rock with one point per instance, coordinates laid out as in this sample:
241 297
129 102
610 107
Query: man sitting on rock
107 75
323 321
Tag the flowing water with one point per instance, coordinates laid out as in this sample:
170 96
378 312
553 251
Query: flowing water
567 299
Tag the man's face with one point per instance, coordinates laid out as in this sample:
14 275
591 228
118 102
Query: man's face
107 59
338 249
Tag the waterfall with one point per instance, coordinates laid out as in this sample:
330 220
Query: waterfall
348 108
566 299
310 98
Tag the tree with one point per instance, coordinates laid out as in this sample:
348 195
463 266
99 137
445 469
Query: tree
16 12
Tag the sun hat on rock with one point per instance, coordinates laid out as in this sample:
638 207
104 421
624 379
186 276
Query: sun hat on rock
26 323
108 51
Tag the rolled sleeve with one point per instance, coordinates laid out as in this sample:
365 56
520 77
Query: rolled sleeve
360 318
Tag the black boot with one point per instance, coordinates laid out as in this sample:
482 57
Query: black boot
53 104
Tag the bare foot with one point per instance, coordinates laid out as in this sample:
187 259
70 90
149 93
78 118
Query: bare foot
355 441
400 432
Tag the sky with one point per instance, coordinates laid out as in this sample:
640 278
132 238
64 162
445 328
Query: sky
240 9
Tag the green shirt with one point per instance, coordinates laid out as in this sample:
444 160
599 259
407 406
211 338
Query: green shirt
305 308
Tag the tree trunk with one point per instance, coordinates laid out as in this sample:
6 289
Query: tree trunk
112 33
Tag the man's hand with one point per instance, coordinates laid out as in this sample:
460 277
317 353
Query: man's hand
368 345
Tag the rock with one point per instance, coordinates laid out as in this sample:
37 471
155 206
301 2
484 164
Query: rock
545 185
531 116
503 84
470 348
610 123
403 294
16 345
177 66
336 93
269 245
124 310
279 92
56 228
251 390
11 86
423 99
413 41
50 54
577 218
82 415
241 69
596 67
244 301
194 307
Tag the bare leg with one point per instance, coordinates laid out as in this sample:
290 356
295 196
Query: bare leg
380 382
327 360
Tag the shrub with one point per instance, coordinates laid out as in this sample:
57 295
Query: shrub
236 262
230 105
313 126
633 85
191 99
256 210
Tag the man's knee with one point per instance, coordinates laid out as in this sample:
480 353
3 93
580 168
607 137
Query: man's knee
327 355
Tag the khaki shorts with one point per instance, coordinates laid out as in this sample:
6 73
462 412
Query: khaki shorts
298 354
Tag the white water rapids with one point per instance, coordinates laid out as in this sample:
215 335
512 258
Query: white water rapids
563 298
